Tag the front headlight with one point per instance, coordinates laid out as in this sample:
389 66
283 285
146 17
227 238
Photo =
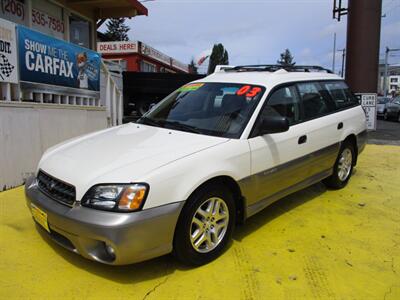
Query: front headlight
118 197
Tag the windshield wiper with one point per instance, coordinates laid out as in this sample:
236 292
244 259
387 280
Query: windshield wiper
182 126
148 121
173 124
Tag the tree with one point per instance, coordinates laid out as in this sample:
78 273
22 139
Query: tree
117 30
192 67
286 59
219 56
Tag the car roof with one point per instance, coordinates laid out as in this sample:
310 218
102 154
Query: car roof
267 79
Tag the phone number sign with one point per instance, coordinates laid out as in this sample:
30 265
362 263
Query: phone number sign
14 11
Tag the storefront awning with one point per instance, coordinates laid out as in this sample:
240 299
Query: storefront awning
102 9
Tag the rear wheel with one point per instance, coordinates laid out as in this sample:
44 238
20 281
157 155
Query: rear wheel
385 115
343 167
205 225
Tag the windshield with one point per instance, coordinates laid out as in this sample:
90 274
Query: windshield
383 100
219 109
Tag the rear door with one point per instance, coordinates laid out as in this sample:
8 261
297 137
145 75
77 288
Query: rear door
323 127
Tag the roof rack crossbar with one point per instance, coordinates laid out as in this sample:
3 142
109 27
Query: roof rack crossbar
273 68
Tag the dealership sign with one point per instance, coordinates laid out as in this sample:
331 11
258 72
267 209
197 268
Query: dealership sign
117 47
155 54
8 53
47 60
368 103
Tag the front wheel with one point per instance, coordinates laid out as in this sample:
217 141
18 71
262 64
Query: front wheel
343 167
205 225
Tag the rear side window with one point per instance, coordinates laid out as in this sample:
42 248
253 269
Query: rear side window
340 94
283 102
315 101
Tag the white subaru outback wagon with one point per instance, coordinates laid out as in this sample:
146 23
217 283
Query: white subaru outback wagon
208 156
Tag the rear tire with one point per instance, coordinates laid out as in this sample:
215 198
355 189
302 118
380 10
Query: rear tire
205 225
385 115
343 167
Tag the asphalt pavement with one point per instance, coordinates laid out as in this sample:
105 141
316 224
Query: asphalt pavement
387 133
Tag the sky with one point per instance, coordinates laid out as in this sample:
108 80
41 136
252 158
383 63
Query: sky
254 31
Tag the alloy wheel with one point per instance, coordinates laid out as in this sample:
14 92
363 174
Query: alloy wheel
209 225
345 164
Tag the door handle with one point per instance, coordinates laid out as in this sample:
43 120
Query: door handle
302 139
340 126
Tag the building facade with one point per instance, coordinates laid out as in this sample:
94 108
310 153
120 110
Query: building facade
53 84
393 79
136 56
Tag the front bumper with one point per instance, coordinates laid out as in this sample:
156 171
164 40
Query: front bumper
135 236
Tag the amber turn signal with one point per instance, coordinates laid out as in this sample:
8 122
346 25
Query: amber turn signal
132 197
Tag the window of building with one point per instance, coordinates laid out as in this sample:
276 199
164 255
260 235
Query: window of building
314 99
147 67
79 31
395 79
283 102
340 94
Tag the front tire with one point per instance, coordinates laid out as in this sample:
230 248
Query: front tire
205 225
343 167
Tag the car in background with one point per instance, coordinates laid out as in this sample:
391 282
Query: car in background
392 110
380 107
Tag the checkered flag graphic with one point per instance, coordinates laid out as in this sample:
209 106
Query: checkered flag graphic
5 67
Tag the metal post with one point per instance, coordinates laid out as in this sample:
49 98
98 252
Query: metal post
334 52
343 58
363 36
385 89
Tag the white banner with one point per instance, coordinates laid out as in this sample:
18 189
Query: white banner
117 47
368 103
8 52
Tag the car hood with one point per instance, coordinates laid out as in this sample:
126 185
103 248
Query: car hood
120 155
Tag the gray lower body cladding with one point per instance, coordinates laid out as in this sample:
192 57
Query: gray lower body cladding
135 237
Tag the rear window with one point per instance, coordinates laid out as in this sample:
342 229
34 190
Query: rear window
315 101
340 94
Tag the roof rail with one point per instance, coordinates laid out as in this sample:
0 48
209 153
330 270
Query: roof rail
273 68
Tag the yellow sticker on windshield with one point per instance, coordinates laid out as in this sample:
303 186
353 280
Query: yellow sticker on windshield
190 87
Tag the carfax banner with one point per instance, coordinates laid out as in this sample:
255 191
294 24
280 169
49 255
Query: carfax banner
8 52
44 59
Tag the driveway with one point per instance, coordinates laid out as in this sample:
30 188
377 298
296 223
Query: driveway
314 244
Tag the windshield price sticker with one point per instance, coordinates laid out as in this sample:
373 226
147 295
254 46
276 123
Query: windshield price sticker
249 91
191 87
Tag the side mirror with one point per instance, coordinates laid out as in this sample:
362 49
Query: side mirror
273 124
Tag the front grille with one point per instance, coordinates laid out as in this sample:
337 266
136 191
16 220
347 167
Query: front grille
56 189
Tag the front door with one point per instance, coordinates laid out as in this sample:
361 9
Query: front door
277 160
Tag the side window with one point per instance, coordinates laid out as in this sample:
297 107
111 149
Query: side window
315 101
283 102
340 93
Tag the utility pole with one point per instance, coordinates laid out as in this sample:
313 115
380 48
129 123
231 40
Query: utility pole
343 58
363 37
334 52
386 72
